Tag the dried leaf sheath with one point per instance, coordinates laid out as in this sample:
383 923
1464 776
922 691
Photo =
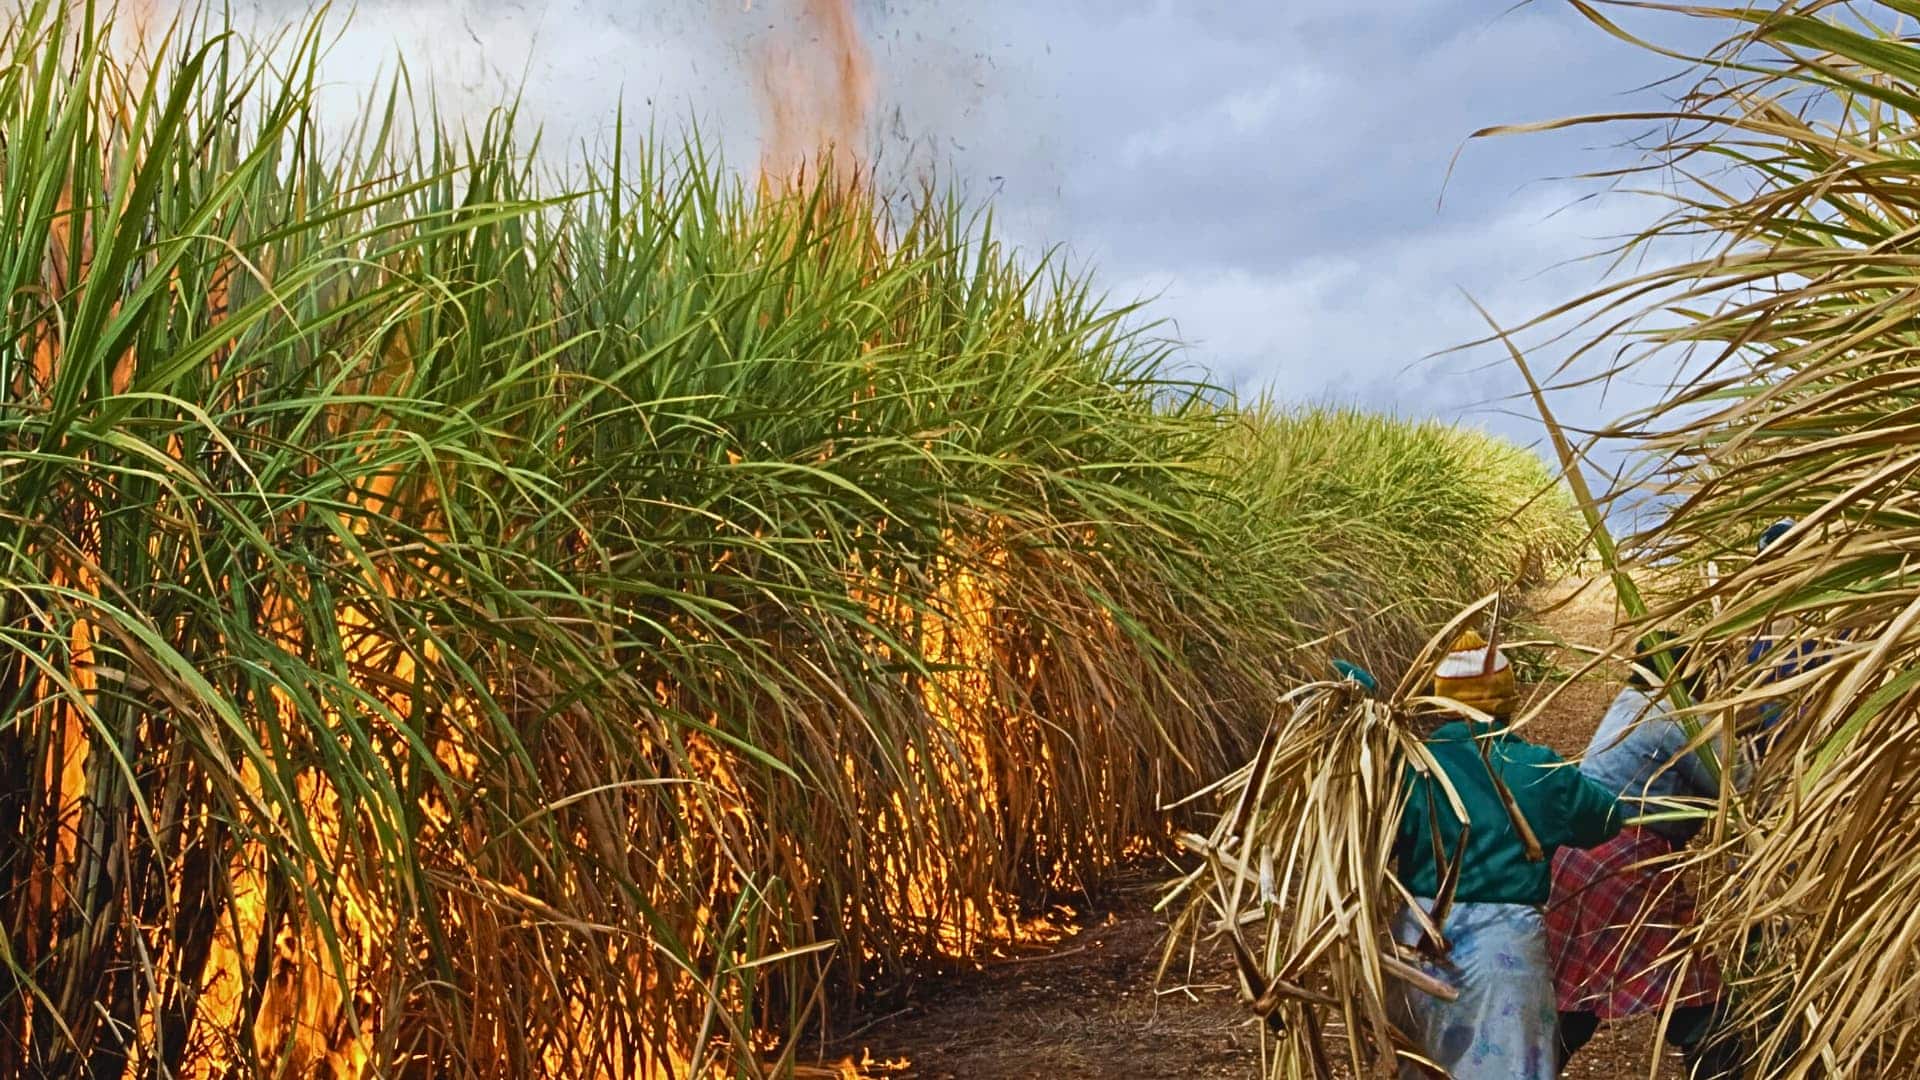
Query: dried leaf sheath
1330 795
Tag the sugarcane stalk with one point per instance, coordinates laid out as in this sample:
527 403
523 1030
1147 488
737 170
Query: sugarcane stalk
1443 903
1529 840
1316 1053
1419 980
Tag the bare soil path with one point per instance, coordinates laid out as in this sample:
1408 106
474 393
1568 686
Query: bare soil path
1087 1008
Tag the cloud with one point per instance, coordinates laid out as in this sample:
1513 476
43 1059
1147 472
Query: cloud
1360 326
1239 114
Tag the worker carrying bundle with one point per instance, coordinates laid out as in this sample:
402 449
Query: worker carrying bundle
1482 883
1618 910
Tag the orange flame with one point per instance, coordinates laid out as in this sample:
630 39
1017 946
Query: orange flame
815 89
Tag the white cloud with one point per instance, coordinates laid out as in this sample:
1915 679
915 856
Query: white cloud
1359 326
570 66
1295 91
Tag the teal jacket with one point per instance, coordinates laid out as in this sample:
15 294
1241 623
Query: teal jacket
1564 809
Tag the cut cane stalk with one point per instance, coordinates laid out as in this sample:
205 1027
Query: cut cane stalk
1443 903
1419 980
1528 839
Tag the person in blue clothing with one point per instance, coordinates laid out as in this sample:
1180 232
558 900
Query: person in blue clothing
1791 661
1522 803
1618 910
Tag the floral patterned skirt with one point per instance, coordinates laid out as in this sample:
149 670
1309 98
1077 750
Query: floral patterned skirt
1504 1024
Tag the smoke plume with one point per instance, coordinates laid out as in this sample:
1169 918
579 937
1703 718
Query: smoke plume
816 91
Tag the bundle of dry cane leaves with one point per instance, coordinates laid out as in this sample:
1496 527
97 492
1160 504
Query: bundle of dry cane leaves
1298 877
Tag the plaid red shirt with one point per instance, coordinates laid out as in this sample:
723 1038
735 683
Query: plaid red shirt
1611 927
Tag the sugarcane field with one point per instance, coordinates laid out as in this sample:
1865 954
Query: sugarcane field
869 539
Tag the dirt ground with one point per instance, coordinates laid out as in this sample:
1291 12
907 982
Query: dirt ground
1085 1009
1088 1008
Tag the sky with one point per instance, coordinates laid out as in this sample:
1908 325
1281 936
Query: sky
1270 174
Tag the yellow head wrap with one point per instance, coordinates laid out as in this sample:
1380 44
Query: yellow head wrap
1463 676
